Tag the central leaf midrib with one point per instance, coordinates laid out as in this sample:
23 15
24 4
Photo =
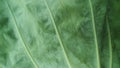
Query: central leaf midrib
95 34
58 34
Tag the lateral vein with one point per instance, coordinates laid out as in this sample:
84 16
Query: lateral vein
58 35
21 37
95 34
110 43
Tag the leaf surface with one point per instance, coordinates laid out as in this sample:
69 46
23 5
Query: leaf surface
59 34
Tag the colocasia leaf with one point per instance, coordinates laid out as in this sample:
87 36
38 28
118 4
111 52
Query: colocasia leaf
59 34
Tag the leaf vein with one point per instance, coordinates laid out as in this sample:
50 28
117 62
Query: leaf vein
95 34
21 37
58 34
110 43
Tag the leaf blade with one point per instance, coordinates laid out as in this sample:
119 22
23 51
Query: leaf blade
95 34
20 35
58 34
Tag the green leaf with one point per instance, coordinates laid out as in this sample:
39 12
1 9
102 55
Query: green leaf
113 19
59 34
21 37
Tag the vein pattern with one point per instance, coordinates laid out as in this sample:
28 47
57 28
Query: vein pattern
58 34
95 34
21 37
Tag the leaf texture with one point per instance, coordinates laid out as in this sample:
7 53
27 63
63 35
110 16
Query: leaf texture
59 34
21 37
